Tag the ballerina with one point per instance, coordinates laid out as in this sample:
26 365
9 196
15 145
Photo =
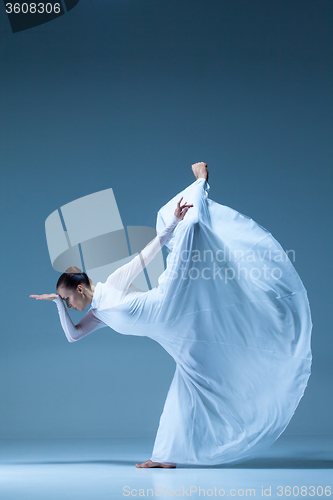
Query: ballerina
237 324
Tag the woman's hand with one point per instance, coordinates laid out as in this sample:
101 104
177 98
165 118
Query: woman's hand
45 296
181 209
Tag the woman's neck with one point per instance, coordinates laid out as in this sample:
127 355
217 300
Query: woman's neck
90 293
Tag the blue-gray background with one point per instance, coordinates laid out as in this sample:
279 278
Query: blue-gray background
128 94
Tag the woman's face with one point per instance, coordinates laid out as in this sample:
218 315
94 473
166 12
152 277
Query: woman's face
74 299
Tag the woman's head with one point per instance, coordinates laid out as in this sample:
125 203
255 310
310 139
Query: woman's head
75 288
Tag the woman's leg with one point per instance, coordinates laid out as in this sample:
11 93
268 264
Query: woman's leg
196 193
197 196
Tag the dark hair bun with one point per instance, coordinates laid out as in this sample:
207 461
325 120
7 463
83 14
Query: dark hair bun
73 277
73 270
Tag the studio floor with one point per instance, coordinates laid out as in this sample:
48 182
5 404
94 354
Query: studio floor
61 469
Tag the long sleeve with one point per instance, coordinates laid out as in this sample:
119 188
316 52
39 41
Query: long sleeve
124 275
86 325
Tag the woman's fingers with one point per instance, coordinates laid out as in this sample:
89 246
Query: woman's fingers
45 296
185 204
182 209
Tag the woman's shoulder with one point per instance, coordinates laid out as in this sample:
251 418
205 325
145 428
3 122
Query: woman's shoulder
104 295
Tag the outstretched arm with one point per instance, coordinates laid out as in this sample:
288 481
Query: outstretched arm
87 324
124 275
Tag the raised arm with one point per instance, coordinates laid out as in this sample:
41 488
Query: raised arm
86 325
124 275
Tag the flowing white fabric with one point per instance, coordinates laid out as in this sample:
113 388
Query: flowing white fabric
232 311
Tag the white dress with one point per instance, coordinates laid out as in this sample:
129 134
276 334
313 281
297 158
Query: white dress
232 311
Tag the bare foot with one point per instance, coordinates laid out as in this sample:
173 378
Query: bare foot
200 170
149 464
